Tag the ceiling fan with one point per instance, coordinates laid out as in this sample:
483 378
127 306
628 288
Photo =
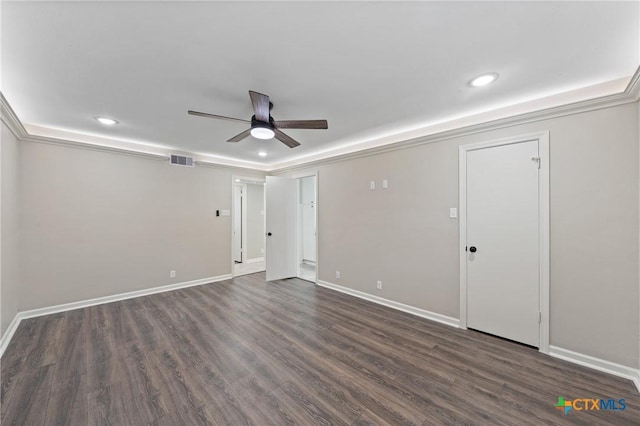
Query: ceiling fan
263 126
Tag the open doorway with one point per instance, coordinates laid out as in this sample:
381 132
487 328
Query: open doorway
307 259
248 243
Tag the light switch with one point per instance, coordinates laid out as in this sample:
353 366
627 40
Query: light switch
225 212
385 183
453 212
372 184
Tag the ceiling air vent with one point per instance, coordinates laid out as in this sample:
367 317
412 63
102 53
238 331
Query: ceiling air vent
179 160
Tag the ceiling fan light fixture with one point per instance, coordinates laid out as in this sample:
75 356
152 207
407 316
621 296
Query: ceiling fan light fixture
262 132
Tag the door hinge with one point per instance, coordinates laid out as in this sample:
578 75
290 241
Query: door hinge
537 160
539 317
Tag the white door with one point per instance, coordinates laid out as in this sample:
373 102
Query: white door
237 224
280 256
503 286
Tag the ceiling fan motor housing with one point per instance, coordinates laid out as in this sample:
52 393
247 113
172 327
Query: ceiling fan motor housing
257 123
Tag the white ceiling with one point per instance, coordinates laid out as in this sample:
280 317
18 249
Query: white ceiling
371 69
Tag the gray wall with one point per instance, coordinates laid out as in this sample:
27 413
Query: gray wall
9 229
255 220
403 236
594 233
97 224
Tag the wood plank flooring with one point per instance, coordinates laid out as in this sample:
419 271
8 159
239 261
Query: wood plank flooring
245 351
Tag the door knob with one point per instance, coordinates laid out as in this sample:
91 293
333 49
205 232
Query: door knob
268 234
472 249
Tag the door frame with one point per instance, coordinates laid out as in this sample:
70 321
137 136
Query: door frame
243 221
243 181
543 217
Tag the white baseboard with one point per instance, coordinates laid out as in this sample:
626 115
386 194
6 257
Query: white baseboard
9 332
6 338
392 304
116 297
255 260
609 367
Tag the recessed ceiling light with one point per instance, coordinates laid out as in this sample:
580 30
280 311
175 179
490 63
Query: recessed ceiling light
107 121
262 154
483 80
237 180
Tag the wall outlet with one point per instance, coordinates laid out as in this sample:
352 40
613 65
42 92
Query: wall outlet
172 274
379 285
337 274
385 183
262 251
372 184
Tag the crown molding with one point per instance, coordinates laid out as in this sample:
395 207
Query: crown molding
633 88
92 147
238 169
10 119
629 95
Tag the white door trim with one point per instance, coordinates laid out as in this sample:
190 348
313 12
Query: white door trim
543 214
243 222
243 229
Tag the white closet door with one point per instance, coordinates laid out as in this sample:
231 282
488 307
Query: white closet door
502 241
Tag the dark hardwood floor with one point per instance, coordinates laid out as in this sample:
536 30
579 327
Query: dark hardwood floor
245 351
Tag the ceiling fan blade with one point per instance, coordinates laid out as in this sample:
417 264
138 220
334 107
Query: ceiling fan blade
260 105
301 124
285 139
221 117
240 136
